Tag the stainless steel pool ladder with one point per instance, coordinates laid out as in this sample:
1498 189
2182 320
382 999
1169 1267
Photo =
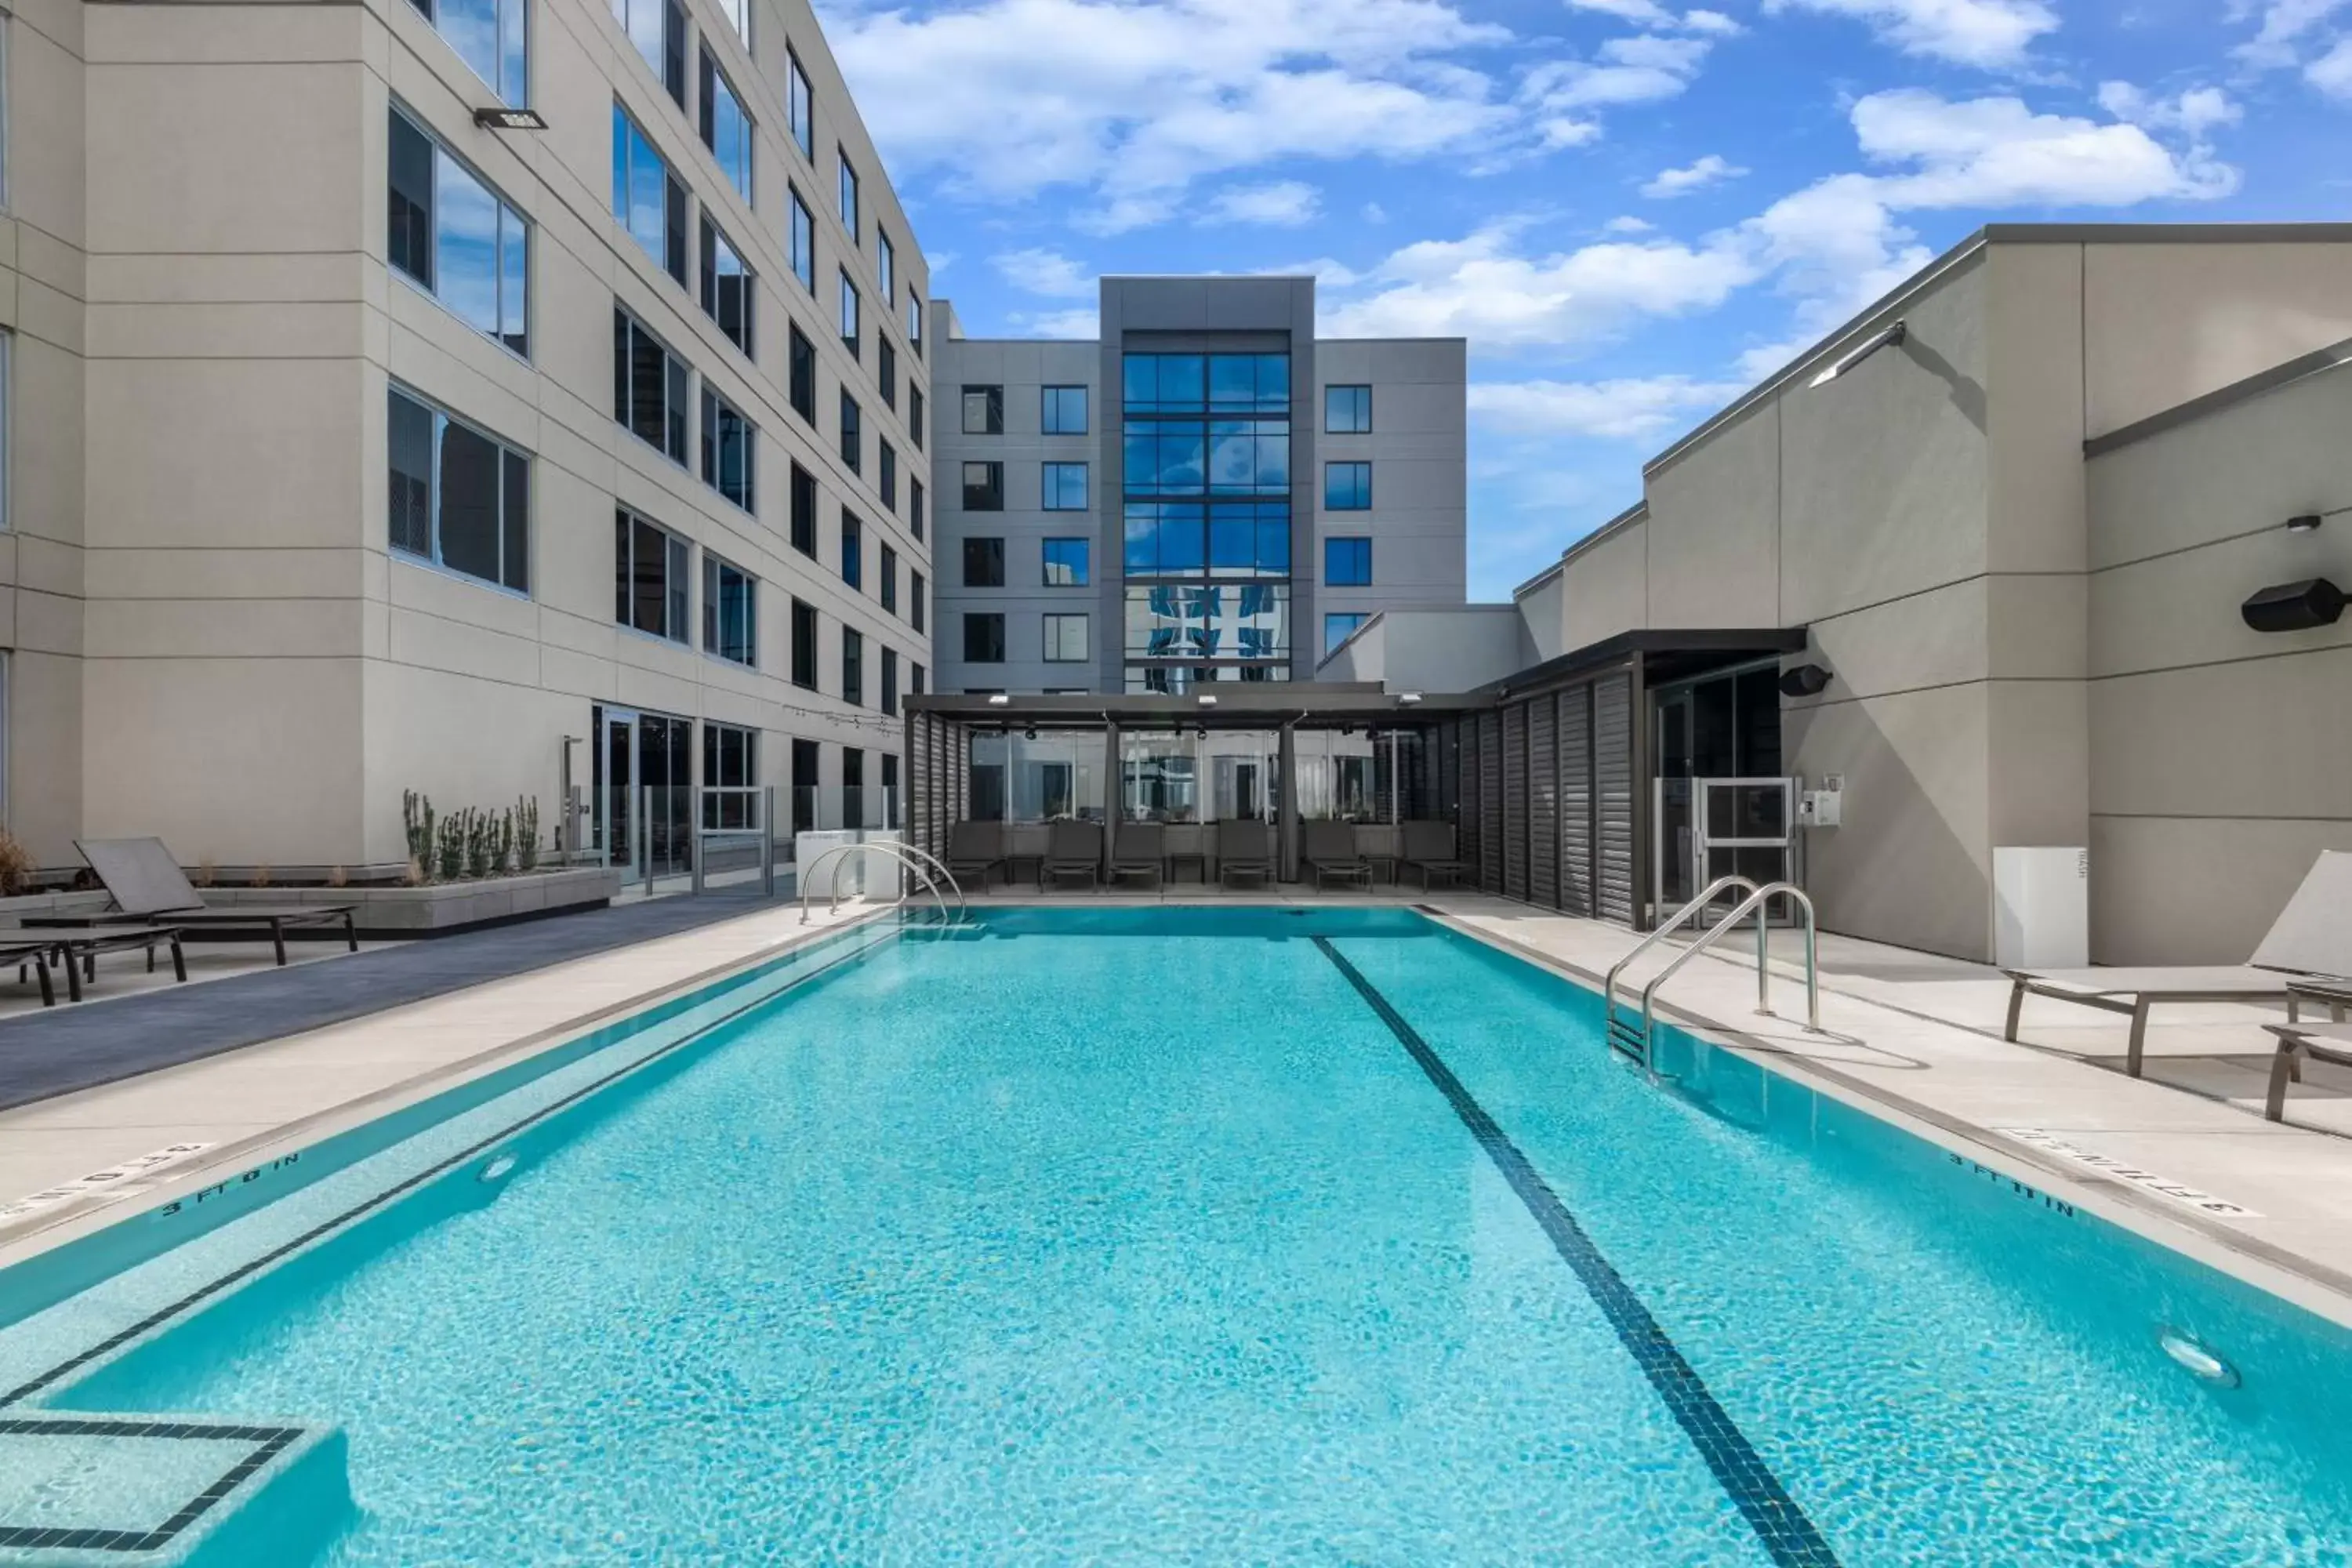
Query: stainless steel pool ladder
909 858
1633 1036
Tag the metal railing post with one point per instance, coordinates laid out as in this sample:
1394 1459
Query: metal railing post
768 841
695 838
646 838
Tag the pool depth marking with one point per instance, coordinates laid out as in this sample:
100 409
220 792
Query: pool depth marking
1779 1523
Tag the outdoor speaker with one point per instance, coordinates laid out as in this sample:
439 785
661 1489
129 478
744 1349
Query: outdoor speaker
1805 680
2295 606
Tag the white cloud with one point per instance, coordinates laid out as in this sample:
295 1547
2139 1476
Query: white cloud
1629 409
1080 321
2194 112
1046 272
1375 213
1713 169
1628 223
1641 13
2331 73
2285 24
1330 273
1989 33
1283 203
1713 22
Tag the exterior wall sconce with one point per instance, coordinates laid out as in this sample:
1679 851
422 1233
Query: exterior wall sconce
1408 698
510 119
1208 700
998 699
2307 523
2295 606
1804 680
1884 338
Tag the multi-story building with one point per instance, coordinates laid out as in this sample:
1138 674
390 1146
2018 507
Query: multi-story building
473 396
1205 492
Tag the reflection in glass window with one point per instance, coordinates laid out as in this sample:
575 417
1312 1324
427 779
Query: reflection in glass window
1337 627
798 110
731 773
802 385
650 577
659 29
1243 620
886 371
1346 486
458 498
915 324
649 386
886 261
1249 383
726 287
1064 411
726 129
984 410
853 668
729 610
646 199
803 241
886 475
852 548
1065 487
1067 563
1065 639
728 443
848 194
852 433
1165 460
848 314
1348 410
1250 455
492 37
1194 384
984 487
1348 562
803 520
803 644
453 234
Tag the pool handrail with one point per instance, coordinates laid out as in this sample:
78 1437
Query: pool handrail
900 851
1753 902
1619 1036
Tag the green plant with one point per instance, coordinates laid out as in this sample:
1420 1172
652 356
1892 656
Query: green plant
416 815
15 865
502 844
450 848
478 836
527 832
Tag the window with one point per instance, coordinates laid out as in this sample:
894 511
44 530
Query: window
730 771
852 442
915 324
726 129
1337 625
983 411
1346 486
984 638
1065 412
915 595
648 386
1348 410
984 487
983 564
659 29
729 451
885 269
848 314
7 430
1196 384
914 415
798 108
853 668
853 787
1065 639
853 551
914 680
804 785
492 37
803 518
802 391
455 236
848 194
803 240
1064 488
886 369
459 498
1348 562
804 645
726 287
889 579
915 506
1065 563
888 474
738 16
650 576
889 700
731 601
646 199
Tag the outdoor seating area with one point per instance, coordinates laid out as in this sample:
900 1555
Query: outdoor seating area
149 888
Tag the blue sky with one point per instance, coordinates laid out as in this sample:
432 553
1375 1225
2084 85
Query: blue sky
1631 209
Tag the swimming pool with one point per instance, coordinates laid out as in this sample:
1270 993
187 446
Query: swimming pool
1206 1236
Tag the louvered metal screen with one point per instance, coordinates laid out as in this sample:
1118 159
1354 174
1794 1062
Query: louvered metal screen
1490 802
1543 800
1576 846
1612 780
1515 801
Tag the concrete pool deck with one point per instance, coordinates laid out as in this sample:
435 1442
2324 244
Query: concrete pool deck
1914 1036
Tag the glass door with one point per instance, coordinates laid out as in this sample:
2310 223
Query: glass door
1675 859
638 758
613 766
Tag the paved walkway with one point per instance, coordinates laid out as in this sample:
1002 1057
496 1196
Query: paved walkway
57 1050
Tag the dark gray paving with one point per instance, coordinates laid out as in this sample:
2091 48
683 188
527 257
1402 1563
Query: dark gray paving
58 1051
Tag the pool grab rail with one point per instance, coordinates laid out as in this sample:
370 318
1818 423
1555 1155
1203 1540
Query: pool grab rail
1636 1041
901 852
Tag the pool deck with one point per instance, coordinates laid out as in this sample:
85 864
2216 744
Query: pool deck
1912 1036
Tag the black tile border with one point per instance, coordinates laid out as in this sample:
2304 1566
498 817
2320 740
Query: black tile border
163 1314
268 1442
1779 1523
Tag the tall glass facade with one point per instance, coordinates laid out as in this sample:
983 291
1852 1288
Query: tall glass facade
1206 513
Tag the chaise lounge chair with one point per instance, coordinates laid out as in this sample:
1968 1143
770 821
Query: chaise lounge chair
77 956
1429 849
1073 849
1244 848
150 889
1331 851
976 848
2297 1041
2311 938
1140 849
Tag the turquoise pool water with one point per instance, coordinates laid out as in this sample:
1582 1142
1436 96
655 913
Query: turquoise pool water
1215 1237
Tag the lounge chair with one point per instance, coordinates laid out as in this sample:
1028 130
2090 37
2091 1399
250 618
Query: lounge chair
2310 939
32 956
149 887
1429 849
78 956
1073 849
2318 1042
1244 848
1329 851
976 848
1140 849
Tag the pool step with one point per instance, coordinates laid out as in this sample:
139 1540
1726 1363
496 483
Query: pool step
1627 1037
79 1490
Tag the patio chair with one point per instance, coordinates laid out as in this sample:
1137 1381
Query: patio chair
2298 1042
2310 939
78 956
32 956
1244 848
1140 849
1073 849
1329 851
1429 849
149 887
976 848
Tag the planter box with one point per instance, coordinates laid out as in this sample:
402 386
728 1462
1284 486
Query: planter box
385 911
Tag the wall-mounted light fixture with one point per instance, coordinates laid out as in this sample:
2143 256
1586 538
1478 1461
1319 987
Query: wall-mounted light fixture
2307 523
2293 606
1885 338
1030 733
998 699
510 119
1804 680
1208 700
1408 697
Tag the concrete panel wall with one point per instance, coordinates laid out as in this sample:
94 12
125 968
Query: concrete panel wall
1715 529
1605 586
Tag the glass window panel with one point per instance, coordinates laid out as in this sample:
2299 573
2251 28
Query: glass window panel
853 434
848 194
514 288
1348 562
1067 563
983 562
1142 548
849 313
1273 381
726 129
853 550
409 234
1182 385
802 390
1233 543
1180 459
1273 455
411 444
1065 487
726 287
1065 639
1233 381
799 107
1065 412
1183 541
1348 410
469 534
884 265
465 243
515 524
1346 486
803 241
1139 390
